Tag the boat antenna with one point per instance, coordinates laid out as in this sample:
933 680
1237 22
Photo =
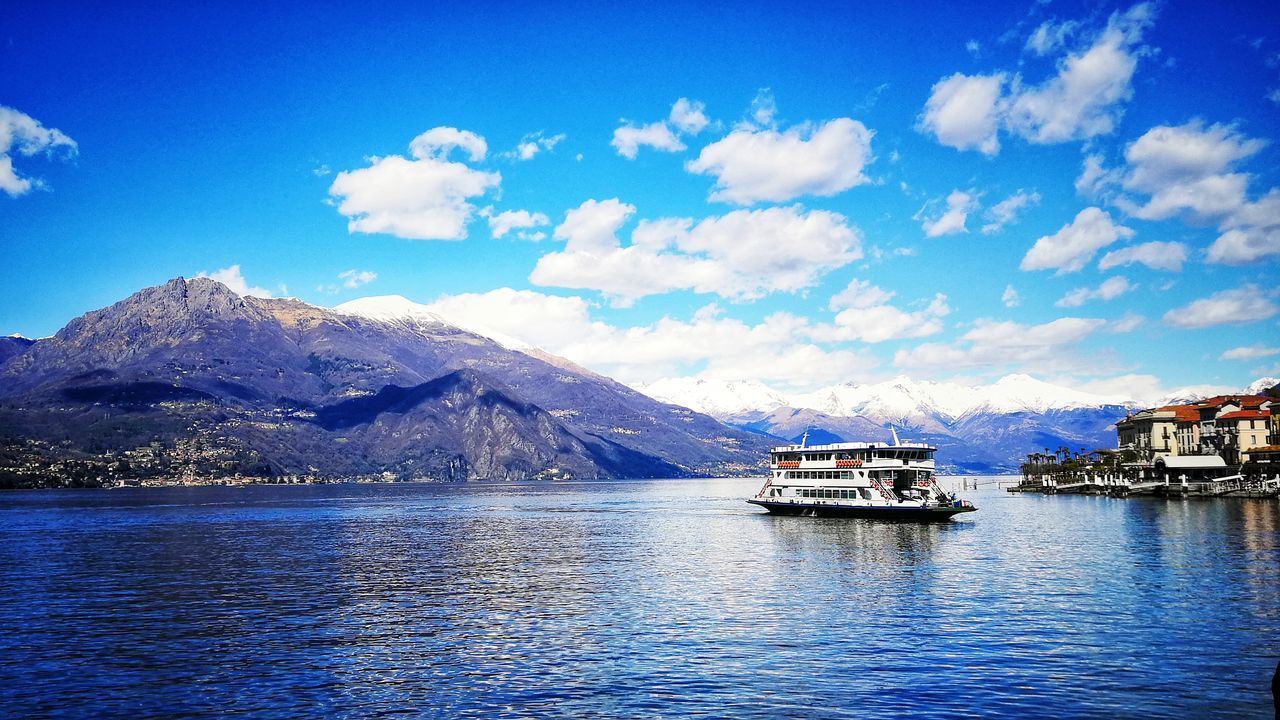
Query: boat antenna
894 430
804 439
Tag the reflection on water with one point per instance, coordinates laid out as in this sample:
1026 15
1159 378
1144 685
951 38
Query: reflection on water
666 598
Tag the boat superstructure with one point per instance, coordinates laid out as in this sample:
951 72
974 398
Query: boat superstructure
857 479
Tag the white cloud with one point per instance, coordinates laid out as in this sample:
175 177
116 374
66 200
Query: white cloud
1251 352
436 143
1189 170
1110 289
1051 36
1147 389
1004 343
778 349
350 280
859 294
963 112
879 323
1242 246
592 227
1169 156
629 138
1008 334
764 108
1010 298
741 255
24 135
754 164
1083 99
1252 232
1072 247
231 277
1208 197
355 278
1238 306
952 219
1155 255
425 198
530 145
1095 180
1126 323
508 220
688 116
865 315
546 321
1006 211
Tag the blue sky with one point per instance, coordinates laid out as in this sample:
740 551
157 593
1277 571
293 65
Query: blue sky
1080 192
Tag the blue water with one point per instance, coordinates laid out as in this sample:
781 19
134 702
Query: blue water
634 599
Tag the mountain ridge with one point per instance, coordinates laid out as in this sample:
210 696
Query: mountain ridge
977 429
191 361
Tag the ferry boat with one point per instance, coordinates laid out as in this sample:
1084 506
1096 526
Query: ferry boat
867 480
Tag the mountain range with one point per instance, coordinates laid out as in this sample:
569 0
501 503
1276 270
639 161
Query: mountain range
978 429
191 377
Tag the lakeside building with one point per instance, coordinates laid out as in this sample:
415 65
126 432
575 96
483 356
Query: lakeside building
1227 444
1227 426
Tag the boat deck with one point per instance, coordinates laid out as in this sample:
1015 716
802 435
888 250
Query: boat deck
907 513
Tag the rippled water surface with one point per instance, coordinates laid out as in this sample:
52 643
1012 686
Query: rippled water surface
632 599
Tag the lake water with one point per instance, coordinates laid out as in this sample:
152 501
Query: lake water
629 599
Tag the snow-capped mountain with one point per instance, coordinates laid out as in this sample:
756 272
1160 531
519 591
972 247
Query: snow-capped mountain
717 398
399 309
1019 393
900 400
1261 384
982 428
977 428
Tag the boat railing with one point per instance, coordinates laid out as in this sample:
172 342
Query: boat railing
884 492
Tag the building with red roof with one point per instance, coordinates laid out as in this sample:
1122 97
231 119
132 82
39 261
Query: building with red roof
1224 425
